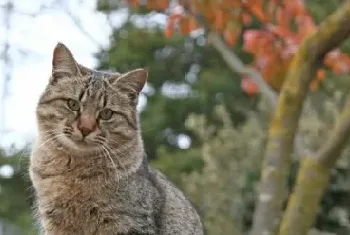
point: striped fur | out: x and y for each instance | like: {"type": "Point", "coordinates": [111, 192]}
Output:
{"type": "Point", "coordinates": [100, 184]}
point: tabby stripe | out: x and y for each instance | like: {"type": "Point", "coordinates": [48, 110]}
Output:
{"type": "Point", "coordinates": [132, 124]}
{"type": "Point", "coordinates": [122, 134]}
{"type": "Point", "coordinates": [47, 101]}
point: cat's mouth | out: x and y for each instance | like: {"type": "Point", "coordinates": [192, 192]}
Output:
{"type": "Point", "coordinates": [84, 142]}
{"type": "Point", "coordinates": [80, 147]}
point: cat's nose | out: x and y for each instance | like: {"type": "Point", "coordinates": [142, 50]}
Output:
{"type": "Point", "coordinates": [86, 124]}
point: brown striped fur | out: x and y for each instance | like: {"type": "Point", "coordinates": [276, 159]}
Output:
{"type": "Point", "coordinates": [100, 184]}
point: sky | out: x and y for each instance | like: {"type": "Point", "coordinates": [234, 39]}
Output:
{"type": "Point", "coordinates": [32, 40]}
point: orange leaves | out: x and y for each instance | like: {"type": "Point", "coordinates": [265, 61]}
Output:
{"type": "Point", "coordinates": [246, 19]}
{"type": "Point", "coordinates": [249, 86]}
{"type": "Point", "coordinates": [315, 84]}
{"type": "Point", "coordinates": [283, 25]}
{"type": "Point", "coordinates": [184, 23]}
{"type": "Point", "coordinates": [295, 7]}
{"type": "Point", "coordinates": [230, 37]}
{"type": "Point", "coordinates": [134, 3]}
{"type": "Point", "coordinates": [169, 29]}
{"type": "Point", "coordinates": [231, 33]}
{"type": "Point", "coordinates": [157, 4]}
{"type": "Point", "coordinates": [337, 61]}
{"type": "Point", "coordinates": [256, 41]}
{"type": "Point", "coordinates": [306, 25]}
{"type": "Point", "coordinates": [256, 8]}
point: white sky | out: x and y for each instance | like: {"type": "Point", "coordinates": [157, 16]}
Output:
{"type": "Point", "coordinates": [38, 35]}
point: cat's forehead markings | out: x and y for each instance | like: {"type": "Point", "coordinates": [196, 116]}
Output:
{"type": "Point", "coordinates": [98, 75]}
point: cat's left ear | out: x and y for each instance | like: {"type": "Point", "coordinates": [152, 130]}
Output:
{"type": "Point", "coordinates": [63, 62]}
{"type": "Point", "coordinates": [131, 82]}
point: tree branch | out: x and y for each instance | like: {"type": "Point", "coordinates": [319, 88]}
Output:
{"type": "Point", "coordinates": [331, 150]}
{"type": "Point", "coordinates": [235, 64]}
{"type": "Point", "coordinates": [79, 25]}
{"type": "Point", "coordinates": [284, 124]}
{"type": "Point", "coordinates": [313, 178]}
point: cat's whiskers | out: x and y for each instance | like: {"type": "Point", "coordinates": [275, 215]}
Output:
{"type": "Point", "coordinates": [26, 151]}
{"type": "Point", "coordinates": [116, 157]}
{"type": "Point", "coordinates": [109, 157]}
{"type": "Point", "coordinates": [120, 151]}
{"type": "Point", "coordinates": [115, 170]}
{"type": "Point", "coordinates": [49, 141]}
{"type": "Point", "coordinates": [116, 154]}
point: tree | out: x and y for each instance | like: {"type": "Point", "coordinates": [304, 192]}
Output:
{"type": "Point", "coordinates": [288, 61]}
{"type": "Point", "coordinates": [170, 96]}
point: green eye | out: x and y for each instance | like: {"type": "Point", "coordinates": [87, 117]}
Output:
{"type": "Point", "coordinates": [106, 114]}
{"type": "Point", "coordinates": [73, 105]}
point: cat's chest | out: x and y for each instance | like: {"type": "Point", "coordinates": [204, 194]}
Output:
{"type": "Point", "coordinates": [100, 206]}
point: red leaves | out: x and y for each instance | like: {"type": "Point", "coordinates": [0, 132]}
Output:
{"type": "Point", "coordinates": [158, 5]}
{"type": "Point", "coordinates": [185, 24]}
{"type": "Point", "coordinates": [134, 3]}
{"type": "Point", "coordinates": [295, 7]}
{"type": "Point", "coordinates": [169, 28]}
{"type": "Point", "coordinates": [255, 41]}
{"type": "Point", "coordinates": [231, 33]}
{"type": "Point", "coordinates": [219, 22]}
{"type": "Point", "coordinates": [249, 86]}
{"type": "Point", "coordinates": [284, 25]}
{"type": "Point", "coordinates": [339, 62]}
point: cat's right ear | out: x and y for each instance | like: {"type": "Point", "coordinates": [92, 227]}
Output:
{"type": "Point", "coordinates": [63, 63]}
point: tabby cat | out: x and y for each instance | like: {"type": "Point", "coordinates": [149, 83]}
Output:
{"type": "Point", "coordinates": [88, 166]}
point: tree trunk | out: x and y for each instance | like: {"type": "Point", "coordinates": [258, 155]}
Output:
{"type": "Point", "coordinates": [284, 124]}
{"type": "Point", "coordinates": [313, 178]}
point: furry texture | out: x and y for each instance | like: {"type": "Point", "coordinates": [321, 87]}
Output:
{"type": "Point", "coordinates": [88, 167]}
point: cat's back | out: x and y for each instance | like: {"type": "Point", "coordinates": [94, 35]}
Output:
{"type": "Point", "coordinates": [179, 216]}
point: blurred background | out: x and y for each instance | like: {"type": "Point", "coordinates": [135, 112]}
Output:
{"type": "Point", "coordinates": [201, 125]}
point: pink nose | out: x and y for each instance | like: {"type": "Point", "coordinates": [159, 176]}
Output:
{"type": "Point", "coordinates": [86, 124]}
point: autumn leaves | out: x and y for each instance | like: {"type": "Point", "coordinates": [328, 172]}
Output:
{"type": "Point", "coordinates": [270, 30]}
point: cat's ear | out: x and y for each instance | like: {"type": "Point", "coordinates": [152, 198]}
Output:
{"type": "Point", "coordinates": [63, 62]}
{"type": "Point", "coordinates": [131, 82]}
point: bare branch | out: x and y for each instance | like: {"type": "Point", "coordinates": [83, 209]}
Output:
{"type": "Point", "coordinates": [79, 25]}
{"type": "Point", "coordinates": [235, 64]}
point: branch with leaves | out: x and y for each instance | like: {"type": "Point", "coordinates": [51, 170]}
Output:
{"type": "Point", "coordinates": [330, 34]}
{"type": "Point", "coordinates": [286, 62]}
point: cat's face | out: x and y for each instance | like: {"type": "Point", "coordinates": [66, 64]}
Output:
{"type": "Point", "coordinates": [87, 111]}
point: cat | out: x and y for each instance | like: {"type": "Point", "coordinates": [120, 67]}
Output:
{"type": "Point", "coordinates": [88, 165]}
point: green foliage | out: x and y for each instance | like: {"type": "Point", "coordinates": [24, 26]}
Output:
{"type": "Point", "coordinates": [220, 171]}
{"type": "Point", "coordinates": [225, 188]}
{"type": "Point", "coordinates": [185, 77]}
{"type": "Point", "coordinates": [15, 195]}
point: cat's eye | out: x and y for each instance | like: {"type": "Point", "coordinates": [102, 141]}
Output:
{"type": "Point", "coordinates": [73, 105]}
{"type": "Point", "coordinates": [106, 114]}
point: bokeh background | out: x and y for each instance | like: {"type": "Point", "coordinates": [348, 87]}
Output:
{"type": "Point", "coordinates": [199, 126]}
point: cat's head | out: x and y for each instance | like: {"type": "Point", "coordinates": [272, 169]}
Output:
{"type": "Point", "coordinates": [86, 111]}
